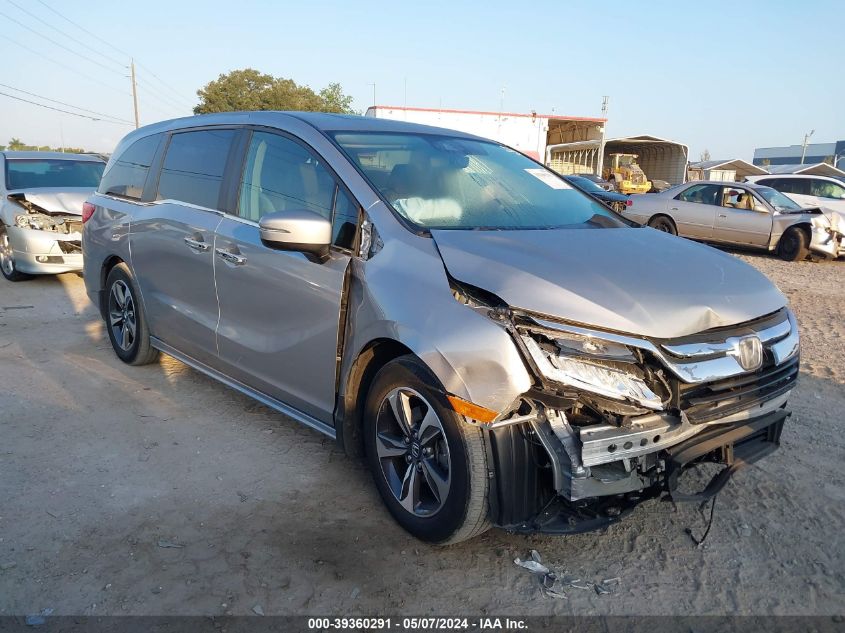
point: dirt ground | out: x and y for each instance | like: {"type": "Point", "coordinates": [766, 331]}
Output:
{"type": "Point", "coordinates": [155, 490]}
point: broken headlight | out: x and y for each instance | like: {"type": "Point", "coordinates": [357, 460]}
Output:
{"type": "Point", "coordinates": [38, 222]}
{"type": "Point", "coordinates": [600, 367]}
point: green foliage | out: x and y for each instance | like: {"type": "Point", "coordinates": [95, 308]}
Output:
{"type": "Point", "coordinates": [17, 145]}
{"type": "Point", "coordinates": [249, 89]}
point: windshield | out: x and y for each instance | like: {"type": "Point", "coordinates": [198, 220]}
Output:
{"type": "Point", "coordinates": [779, 201]}
{"type": "Point", "coordinates": [442, 182]}
{"type": "Point", "coordinates": [39, 173]}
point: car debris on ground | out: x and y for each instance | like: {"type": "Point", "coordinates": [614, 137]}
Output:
{"type": "Point", "coordinates": [554, 584]}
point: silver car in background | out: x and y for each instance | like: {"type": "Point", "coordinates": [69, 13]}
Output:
{"type": "Point", "coordinates": [41, 197]}
{"type": "Point", "coordinates": [742, 214]}
{"type": "Point", "coordinates": [496, 344]}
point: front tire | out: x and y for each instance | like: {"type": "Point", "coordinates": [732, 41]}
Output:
{"type": "Point", "coordinates": [7, 258]}
{"type": "Point", "coordinates": [663, 223]}
{"type": "Point", "coordinates": [793, 245]}
{"type": "Point", "coordinates": [428, 463]}
{"type": "Point", "coordinates": [125, 319]}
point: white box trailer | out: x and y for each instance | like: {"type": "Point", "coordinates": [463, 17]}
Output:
{"type": "Point", "coordinates": [530, 133]}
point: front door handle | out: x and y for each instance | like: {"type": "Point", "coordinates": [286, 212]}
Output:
{"type": "Point", "coordinates": [196, 244]}
{"type": "Point", "coordinates": [722, 215]}
{"type": "Point", "coordinates": [674, 209]}
{"type": "Point", "coordinates": [229, 256]}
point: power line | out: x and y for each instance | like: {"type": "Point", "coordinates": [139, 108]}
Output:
{"type": "Point", "coordinates": [70, 50]}
{"type": "Point", "coordinates": [58, 30]}
{"type": "Point", "coordinates": [79, 26]}
{"type": "Point", "coordinates": [165, 99]}
{"type": "Point", "coordinates": [41, 105]}
{"type": "Point", "coordinates": [111, 46]}
{"type": "Point", "coordinates": [69, 105]}
{"type": "Point", "coordinates": [161, 81]}
{"type": "Point", "coordinates": [65, 66]}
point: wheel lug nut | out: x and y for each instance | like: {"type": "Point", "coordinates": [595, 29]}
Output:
{"type": "Point", "coordinates": [408, 458]}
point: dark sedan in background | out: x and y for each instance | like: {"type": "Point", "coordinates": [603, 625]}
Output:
{"type": "Point", "coordinates": [615, 201]}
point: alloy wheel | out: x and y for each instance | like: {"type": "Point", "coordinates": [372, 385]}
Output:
{"type": "Point", "coordinates": [122, 318]}
{"type": "Point", "coordinates": [7, 259]}
{"type": "Point", "coordinates": [413, 452]}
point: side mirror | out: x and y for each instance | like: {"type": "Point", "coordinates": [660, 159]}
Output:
{"type": "Point", "coordinates": [296, 230]}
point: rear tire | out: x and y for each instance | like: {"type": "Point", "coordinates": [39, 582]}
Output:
{"type": "Point", "coordinates": [432, 473]}
{"type": "Point", "coordinates": [793, 245]}
{"type": "Point", "coordinates": [7, 258]}
{"type": "Point", "coordinates": [125, 319]}
{"type": "Point", "coordinates": [663, 223]}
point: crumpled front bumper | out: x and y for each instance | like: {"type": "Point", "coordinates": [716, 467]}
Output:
{"type": "Point", "coordinates": [45, 252]}
{"type": "Point", "coordinates": [606, 495]}
{"type": "Point", "coordinates": [827, 240]}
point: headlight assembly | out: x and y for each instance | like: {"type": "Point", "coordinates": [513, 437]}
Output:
{"type": "Point", "coordinates": [38, 222]}
{"type": "Point", "coordinates": [577, 362]}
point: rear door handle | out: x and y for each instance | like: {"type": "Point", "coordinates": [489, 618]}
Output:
{"type": "Point", "coordinates": [674, 209]}
{"type": "Point", "coordinates": [722, 215]}
{"type": "Point", "coordinates": [196, 244]}
{"type": "Point", "coordinates": [229, 256]}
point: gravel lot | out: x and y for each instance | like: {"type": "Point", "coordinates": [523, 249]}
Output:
{"type": "Point", "coordinates": [155, 490]}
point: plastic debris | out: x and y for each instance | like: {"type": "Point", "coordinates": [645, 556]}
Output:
{"type": "Point", "coordinates": [535, 556]}
{"type": "Point", "coordinates": [169, 544]}
{"type": "Point", "coordinates": [601, 589]}
{"type": "Point", "coordinates": [257, 608]}
{"type": "Point", "coordinates": [532, 565]}
{"type": "Point", "coordinates": [554, 593]}
{"type": "Point", "coordinates": [38, 619]}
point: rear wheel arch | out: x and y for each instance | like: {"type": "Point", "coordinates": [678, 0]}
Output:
{"type": "Point", "coordinates": [109, 263]}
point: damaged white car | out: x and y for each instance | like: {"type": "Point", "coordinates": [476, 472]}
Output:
{"type": "Point", "coordinates": [742, 214]}
{"type": "Point", "coordinates": [501, 348]}
{"type": "Point", "coordinates": [41, 211]}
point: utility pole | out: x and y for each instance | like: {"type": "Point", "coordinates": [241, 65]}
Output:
{"type": "Point", "coordinates": [804, 145]}
{"type": "Point", "coordinates": [134, 93]}
{"type": "Point", "coordinates": [605, 105]}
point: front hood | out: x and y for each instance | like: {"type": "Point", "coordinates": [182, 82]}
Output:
{"type": "Point", "coordinates": [55, 201]}
{"type": "Point", "coordinates": [633, 280]}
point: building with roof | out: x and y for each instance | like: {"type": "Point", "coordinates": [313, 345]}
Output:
{"type": "Point", "coordinates": [831, 153]}
{"type": "Point", "coordinates": [814, 169]}
{"type": "Point", "coordinates": [530, 133]}
{"type": "Point", "coordinates": [726, 170]}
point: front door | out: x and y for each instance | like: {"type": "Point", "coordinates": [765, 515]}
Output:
{"type": "Point", "coordinates": [280, 310]}
{"type": "Point", "coordinates": [172, 243]}
{"type": "Point", "coordinates": [742, 218]}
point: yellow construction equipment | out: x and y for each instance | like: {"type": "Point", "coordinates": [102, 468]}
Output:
{"type": "Point", "coordinates": [624, 172]}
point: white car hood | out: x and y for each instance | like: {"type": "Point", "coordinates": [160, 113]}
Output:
{"type": "Point", "coordinates": [632, 280]}
{"type": "Point", "coordinates": [56, 201]}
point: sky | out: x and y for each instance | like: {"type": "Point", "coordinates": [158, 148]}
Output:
{"type": "Point", "coordinates": [719, 76]}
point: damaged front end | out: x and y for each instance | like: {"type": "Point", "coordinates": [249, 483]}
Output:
{"type": "Point", "coordinates": [827, 234]}
{"type": "Point", "coordinates": [613, 420]}
{"type": "Point", "coordinates": [38, 218]}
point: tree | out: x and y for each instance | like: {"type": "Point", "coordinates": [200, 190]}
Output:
{"type": "Point", "coordinates": [249, 89]}
{"type": "Point", "coordinates": [705, 155]}
{"type": "Point", "coordinates": [16, 145]}
{"type": "Point", "coordinates": [335, 101]}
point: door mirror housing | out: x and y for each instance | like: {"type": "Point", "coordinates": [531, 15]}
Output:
{"type": "Point", "coordinates": [296, 230]}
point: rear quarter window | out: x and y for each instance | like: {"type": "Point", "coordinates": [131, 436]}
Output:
{"type": "Point", "coordinates": [127, 174]}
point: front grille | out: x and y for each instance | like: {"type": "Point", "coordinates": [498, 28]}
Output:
{"type": "Point", "coordinates": [70, 247]}
{"type": "Point", "coordinates": [721, 398]}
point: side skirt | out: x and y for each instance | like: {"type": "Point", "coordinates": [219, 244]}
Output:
{"type": "Point", "coordinates": [264, 399]}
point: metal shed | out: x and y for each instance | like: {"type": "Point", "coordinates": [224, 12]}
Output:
{"type": "Point", "coordinates": [735, 169]}
{"type": "Point", "coordinates": [660, 158]}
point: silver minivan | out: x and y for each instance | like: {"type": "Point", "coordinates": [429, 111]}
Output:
{"type": "Point", "coordinates": [500, 348]}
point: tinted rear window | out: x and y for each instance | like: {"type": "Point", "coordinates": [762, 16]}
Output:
{"type": "Point", "coordinates": [194, 165]}
{"type": "Point", "coordinates": [127, 174]}
{"type": "Point", "coordinates": [37, 173]}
